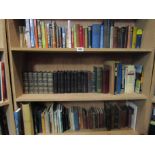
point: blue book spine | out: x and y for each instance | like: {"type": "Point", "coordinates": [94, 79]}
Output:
{"type": "Point", "coordinates": [138, 41]}
{"type": "Point", "coordinates": [102, 37]}
{"type": "Point", "coordinates": [76, 119]}
{"type": "Point", "coordinates": [32, 38]}
{"type": "Point", "coordinates": [16, 117]}
{"type": "Point", "coordinates": [119, 78]}
{"type": "Point", "coordinates": [96, 35]}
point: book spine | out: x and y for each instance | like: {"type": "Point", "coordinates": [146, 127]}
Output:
{"type": "Point", "coordinates": [36, 33]}
{"type": "Point", "coordinates": [43, 34]}
{"type": "Point", "coordinates": [60, 37]}
{"type": "Point", "coordinates": [48, 43]}
{"type": "Point", "coordinates": [95, 36]}
{"type": "Point", "coordinates": [119, 78]}
{"type": "Point", "coordinates": [57, 36]}
{"type": "Point", "coordinates": [53, 34]}
{"type": "Point", "coordinates": [50, 82]}
{"type": "Point", "coordinates": [129, 37]}
{"type": "Point", "coordinates": [138, 38]}
{"type": "Point", "coordinates": [86, 37]}
{"type": "Point", "coordinates": [25, 82]}
{"type": "Point", "coordinates": [39, 34]}
{"type": "Point", "coordinates": [102, 36]}
{"type": "Point", "coordinates": [27, 33]}
{"type": "Point", "coordinates": [30, 79]}
{"type": "Point", "coordinates": [45, 83]}
{"type": "Point", "coordinates": [72, 37]}
{"type": "Point", "coordinates": [63, 37]}
{"type": "Point", "coordinates": [69, 34]}
{"type": "Point", "coordinates": [75, 36]}
{"type": "Point", "coordinates": [40, 82]}
{"type": "Point", "coordinates": [35, 81]}
{"type": "Point", "coordinates": [32, 33]}
{"type": "Point", "coordinates": [89, 36]}
{"type": "Point", "coordinates": [134, 37]}
{"type": "Point", "coordinates": [111, 36]}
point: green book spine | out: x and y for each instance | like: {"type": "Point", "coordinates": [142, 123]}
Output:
{"type": "Point", "coordinates": [43, 34]}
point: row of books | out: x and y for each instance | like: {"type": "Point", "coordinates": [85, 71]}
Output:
{"type": "Point", "coordinates": [3, 91]}
{"type": "Point", "coordinates": [54, 118]}
{"type": "Point", "coordinates": [47, 34]}
{"type": "Point", "coordinates": [128, 78]}
{"type": "Point", "coordinates": [67, 81]}
{"type": "Point", "coordinates": [3, 122]}
{"type": "Point", "coordinates": [112, 77]}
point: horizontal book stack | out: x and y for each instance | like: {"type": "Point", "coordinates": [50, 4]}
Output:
{"type": "Point", "coordinates": [128, 78]}
{"type": "Point", "coordinates": [53, 118]}
{"type": "Point", "coordinates": [47, 34]}
{"type": "Point", "coordinates": [3, 122]}
{"type": "Point", "coordinates": [67, 81]}
{"type": "Point", "coordinates": [3, 91]}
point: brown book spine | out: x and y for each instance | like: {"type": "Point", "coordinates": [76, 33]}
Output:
{"type": "Point", "coordinates": [53, 34]}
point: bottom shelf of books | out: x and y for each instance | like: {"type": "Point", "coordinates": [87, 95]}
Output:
{"type": "Point", "coordinates": [86, 118]}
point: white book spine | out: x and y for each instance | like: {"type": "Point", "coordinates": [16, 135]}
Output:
{"type": "Point", "coordinates": [27, 33]}
{"type": "Point", "coordinates": [69, 34]}
{"type": "Point", "coordinates": [111, 36]}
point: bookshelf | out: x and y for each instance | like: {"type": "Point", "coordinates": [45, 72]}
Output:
{"type": "Point", "coordinates": [43, 59]}
{"type": "Point", "coordinates": [7, 104]}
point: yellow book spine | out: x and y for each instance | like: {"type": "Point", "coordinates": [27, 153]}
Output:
{"type": "Point", "coordinates": [134, 37]}
{"type": "Point", "coordinates": [86, 37]}
{"type": "Point", "coordinates": [43, 122]}
{"type": "Point", "coordinates": [27, 119]}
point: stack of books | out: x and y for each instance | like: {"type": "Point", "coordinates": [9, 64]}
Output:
{"type": "Point", "coordinates": [112, 77]}
{"type": "Point", "coordinates": [67, 81]}
{"type": "Point", "coordinates": [47, 34]}
{"type": "Point", "coordinates": [53, 118]}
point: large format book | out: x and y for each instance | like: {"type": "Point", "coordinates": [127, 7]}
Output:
{"type": "Point", "coordinates": [129, 78]}
{"type": "Point", "coordinates": [27, 119]}
{"type": "Point", "coordinates": [96, 28]}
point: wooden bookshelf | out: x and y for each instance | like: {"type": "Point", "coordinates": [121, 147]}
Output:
{"type": "Point", "coordinates": [79, 97]}
{"type": "Point", "coordinates": [7, 104]}
{"type": "Point", "coordinates": [43, 59]}
{"type": "Point", "coordinates": [100, 132]}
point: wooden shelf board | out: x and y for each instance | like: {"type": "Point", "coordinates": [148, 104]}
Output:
{"type": "Point", "coordinates": [79, 97]}
{"type": "Point", "coordinates": [86, 50]}
{"type": "Point", "coordinates": [99, 132]}
{"type": "Point", "coordinates": [4, 103]}
{"type": "Point", "coordinates": [153, 99]}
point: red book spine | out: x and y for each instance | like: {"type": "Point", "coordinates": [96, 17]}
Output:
{"type": "Point", "coordinates": [36, 33]}
{"type": "Point", "coordinates": [72, 38]}
{"type": "Point", "coordinates": [4, 93]}
{"type": "Point", "coordinates": [80, 36]}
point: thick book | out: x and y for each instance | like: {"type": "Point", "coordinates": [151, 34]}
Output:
{"type": "Point", "coordinates": [96, 28]}
{"type": "Point", "coordinates": [27, 119]}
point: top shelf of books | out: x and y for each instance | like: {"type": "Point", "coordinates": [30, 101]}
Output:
{"type": "Point", "coordinates": [65, 34]}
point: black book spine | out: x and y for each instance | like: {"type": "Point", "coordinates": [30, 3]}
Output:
{"type": "Point", "coordinates": [65, 82]}
{"type": "Point", "coordinates": [71, 81]}
{"type": "Point", "coordinates": [55, 82]}
{"type": "Point", "coordinates": [75, 82]}
{"type": "Point", "coordinates": [25, 83]}
{"type": "Point", "coordinates": [58, 81]}
{"type": "Point", "coordinates": [69, 87]}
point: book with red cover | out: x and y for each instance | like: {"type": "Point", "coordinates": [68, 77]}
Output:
{"type": "Point", "coordinates": [81, 36]}
{"type": "Point", "coordinates": [106, 76]}
{"type": "Point", "coordinates": [36, 33]}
